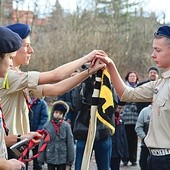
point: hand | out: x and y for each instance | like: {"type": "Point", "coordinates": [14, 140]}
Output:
{"type": "Point", "coordinates": [105, 59]}
{"type": "Point", "coordinates": [35, 136]}
{"type": "Point", "coordinates": [98, 65]}
{"type": "Point", "coordinates": [90, 56]}
{"type": "Point", "coordinates": [15, 164]}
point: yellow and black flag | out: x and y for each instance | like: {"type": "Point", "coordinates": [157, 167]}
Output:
{"type": "Point", "coordinates": [106, 102]}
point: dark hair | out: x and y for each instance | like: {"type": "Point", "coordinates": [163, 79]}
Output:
{"type": "Point", "coordinates": [2, 56]}
{"type": "Point", "coordinates": [127, 76]}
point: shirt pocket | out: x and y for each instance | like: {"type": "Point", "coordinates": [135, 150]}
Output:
{"type": "Point", "coordinates": [161, 102]}
{"type": "Point", "coordinates": [163, 106]}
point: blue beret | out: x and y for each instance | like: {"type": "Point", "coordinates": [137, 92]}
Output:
{"type": "Point", "coordinates": [9, 41]}
{"type": "Point", "coordinates": [163, 31]}
{"type": "Point", "coordinates": [22, 30]}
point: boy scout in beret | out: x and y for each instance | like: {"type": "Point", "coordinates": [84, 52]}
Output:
{"type": "Point", "coordinates": [10, 42]}
{"type": "Point", "coordinates": [158, 136]}
{"type": "Point", "coordinates": [13, 100]}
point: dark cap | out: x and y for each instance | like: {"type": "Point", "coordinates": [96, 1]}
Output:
{"type": "Point", "coordinates": [153, 68]}
{"type": "Point", "coordinates": [9, 41]}
{"type": "Point", "coordinates": [163, 31]}
{"type": "Point", "coordinates": [22, 30]}
{"type": "Point", "coordinates": [60, 106]}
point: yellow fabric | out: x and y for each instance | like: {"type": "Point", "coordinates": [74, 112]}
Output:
{"type": "Point", "coordinates": [106, 101]}
{"type": "Point", "coordinates": [5, 84]}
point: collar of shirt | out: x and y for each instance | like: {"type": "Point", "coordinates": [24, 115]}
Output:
{"type": "Point", "coordinates": [166, 74]}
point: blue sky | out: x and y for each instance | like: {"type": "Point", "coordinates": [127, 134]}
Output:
{"type": "Point", "coordinates": [158, 6]}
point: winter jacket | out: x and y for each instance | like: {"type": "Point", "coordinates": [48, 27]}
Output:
{"type": "Point", "coordinates": [119, 141]}
{"type": "Point", "coordinates": [60, 149]}
{"type": "Point", "coordinates": [38, 115]}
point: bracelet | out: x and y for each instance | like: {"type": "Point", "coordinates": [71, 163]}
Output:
{"type": "Point", "coordinates": [18, 138]}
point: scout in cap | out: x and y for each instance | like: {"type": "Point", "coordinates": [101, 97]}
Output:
{"type": "Point", "coordinates": [10, 42]}
{"type": "Point", "coordinates": [157, 139]}
{"type": "Point", "coordinates": [24, 53]}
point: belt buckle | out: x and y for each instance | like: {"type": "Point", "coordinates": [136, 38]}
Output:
{"type": "Point", "coordinates": [159, 152]}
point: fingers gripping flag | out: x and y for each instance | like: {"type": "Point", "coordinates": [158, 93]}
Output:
{"type": "Point", "coordinates": [106, 102]}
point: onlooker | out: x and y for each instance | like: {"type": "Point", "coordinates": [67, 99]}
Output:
{"type": "Point", "coordinates": [130, 116]}
{"type": "Point", "coordinates": [13, 99]}
{"type": "Point", "coordinates": [38, 116]}
{"type": "Point", "coordinates": [74, 99]}
{"type": "Point", "coordinates": [10, 42]}
{"type": "Point", "coordinates": [142, 126]}
{"type": "Point", "coordinates": [157, 138]}
{"type": "Point", "coordinates": [119, 140]}
{"type": "Point", "coordinates": [103, 139]}
{"type": "Point", "coordinates": [153, 74]}
{"type": "Point", "coordinates": [60, 150]}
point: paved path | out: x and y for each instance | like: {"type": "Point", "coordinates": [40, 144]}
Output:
{"type": "Point", "coordinates": [93, 163]}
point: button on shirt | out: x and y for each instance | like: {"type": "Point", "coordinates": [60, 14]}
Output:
{"type": "Point", "coordinates": [159, 128]}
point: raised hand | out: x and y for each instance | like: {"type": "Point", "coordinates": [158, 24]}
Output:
{"type": "Point", "coordinates": [95, 53]}
{"type": "Point", "coordinates": [97, 65]}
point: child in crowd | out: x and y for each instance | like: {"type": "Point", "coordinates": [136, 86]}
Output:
{"type": "Point", "coordinates": [60, 150]}
{"type": "Point", "coordinates": [119, 140]}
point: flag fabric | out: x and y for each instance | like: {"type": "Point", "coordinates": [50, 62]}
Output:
{"type": "Point", "coordinates": [105, 109]}
{"type": "Point", "coordinates": [92, 124]}
{"type": "Point", "coordinates": [102, 107]}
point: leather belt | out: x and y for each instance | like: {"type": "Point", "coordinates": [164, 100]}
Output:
{"type": "Point", "coordinates": [159, 152]}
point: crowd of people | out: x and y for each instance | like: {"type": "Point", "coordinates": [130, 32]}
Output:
{"type": "Point", "coordinates": [140, 108]}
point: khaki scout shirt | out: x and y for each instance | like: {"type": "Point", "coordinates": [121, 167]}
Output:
{"type": "Point", "coordinates": [159, 128]}
{"type": "Point", "coordinates": [13, 102]}
{"type": "Point", "coordinates": [3, 150]}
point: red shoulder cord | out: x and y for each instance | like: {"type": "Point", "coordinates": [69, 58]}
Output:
{"type": "Point", "coordinates": [31, 144]}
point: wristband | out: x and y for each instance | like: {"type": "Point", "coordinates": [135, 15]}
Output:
{"type": "Point", "coordinates": [18, 138]}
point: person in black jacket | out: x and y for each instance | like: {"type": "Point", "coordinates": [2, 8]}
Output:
{"type": "Point", "coordinates": [119, 140]}
{"type": "Point", "coordinates": [103, 139]}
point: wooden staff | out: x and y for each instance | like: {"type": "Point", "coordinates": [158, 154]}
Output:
{"type": "Point", "coordinates": [92, 123]}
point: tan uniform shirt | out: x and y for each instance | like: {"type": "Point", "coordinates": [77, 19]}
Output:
{"type": "Point", "coordinates": [13, 102]}
{"type": "Point", "coordinates": [159, 129]}
{"type": "Point", "coordinates": [3, 151]}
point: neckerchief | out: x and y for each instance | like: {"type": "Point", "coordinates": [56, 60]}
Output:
{"type": "Point", "coordinates": [31, 145]}
{"type": "Point", "coordinates": [4, 124]}
{"type": "Point", "coordinates": [57, 124]}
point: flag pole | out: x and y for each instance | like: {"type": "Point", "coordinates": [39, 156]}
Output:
{"type": "Point", "coordinates": [92, 124]}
